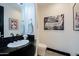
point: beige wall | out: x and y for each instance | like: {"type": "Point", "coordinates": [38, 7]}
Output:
{"type": "Point", "coordinates": [65, 40]}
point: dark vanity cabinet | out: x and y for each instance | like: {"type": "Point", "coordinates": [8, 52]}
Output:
{"type": "Point", "coordinates": [1, 20]}
{"type": "Point", "coordinates": [25, 50]}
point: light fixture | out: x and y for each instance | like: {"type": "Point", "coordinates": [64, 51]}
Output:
{"type": "Point", "coordinates": [20, 4]}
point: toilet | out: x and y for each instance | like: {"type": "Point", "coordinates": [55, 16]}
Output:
{"type": "Point", "coordinates": [41, 49]}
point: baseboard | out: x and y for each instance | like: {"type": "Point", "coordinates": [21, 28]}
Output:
{"type": "Point", "coordinates": [60, 52]}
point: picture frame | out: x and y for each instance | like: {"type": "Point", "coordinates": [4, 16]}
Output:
{"type": "Point", "coordinates": [75, 17]}
{"type": "Point", "coordinates": [54, 22]}
{"type": "Point", "coordinates": [13, 24]}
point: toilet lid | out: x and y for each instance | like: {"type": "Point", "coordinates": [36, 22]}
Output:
{"type": "Point", "coordinates": [42, 45]}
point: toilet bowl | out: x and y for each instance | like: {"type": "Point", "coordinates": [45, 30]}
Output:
{"type": "Point", "coordinates": [41, 49]}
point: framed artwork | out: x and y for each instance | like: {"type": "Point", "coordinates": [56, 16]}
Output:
{"type": "Point", "coordinates": [13, 24]}
{"type": "Point", "coordinates": [54, 22]}
{"type": "Point", "coordinates": [76, 17]}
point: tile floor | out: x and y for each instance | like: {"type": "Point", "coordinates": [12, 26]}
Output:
{"type": "Point", "coordinates": [51, 53]}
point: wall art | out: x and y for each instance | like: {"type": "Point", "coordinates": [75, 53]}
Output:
{"type": "Point", "coordinates": [13, 24]}
{"type": "Point", "coordinates": [76, 17]}
{"type": "Point", "coordinates": [54, 22]}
